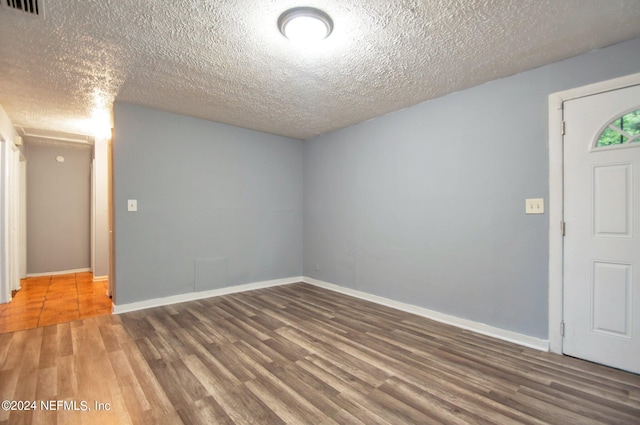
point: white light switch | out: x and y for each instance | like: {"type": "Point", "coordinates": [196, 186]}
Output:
{"type": "Point", "coordinates": [132, 205]}
{"type": "Point", "coordinates": [534, 206]}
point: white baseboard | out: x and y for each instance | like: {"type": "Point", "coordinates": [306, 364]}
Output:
{"type": "Point", "coordinates": [481, 328]}
{"type": "Point", "coordinates": [192, 296]}
{"type": "Point", "coordinates": [100, 278]}
{"type": "Point", "coordinates": [58, 272]}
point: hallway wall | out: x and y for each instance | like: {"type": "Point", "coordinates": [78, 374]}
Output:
{"type": "Point", "coordinates": [58, 213]}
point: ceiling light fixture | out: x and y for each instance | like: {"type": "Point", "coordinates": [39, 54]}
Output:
{"type": "Point", "coordinates": [305, 24]}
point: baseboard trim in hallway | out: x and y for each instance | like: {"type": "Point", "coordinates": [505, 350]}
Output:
{"type": "Point", "coordinates": [58, 273]}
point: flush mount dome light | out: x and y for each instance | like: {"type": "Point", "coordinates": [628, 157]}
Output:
{"type": "Point", "coordinates": [305, 24]}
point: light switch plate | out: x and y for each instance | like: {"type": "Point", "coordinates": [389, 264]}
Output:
{"type": "Point", "coordinates": [132, 205]}
{"type": "Point", "coordinates": [534, 206]}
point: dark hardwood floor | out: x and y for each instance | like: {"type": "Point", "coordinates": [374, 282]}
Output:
{"type": "Point", "coordinates": [301, 355]}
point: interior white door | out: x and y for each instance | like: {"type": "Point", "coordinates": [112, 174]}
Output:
{"type": "Point", "coordinates": [601, 289]}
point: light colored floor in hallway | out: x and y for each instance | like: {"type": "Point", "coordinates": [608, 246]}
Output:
{"type": "Point", "coordinates": [48, 300]}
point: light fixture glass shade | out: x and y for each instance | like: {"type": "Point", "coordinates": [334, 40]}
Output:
{"type": "Point", "coordinates": [305, 24]}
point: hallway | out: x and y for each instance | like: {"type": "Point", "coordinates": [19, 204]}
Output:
{"type": "Point", "coordinates": [48, 300]}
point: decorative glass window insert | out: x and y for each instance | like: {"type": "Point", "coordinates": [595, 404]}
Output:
{"type": "Point", "coordinates": [621, 131]}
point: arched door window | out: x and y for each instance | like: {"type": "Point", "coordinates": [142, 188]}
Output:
{"type": "Point", "coordinates": [621, 132]}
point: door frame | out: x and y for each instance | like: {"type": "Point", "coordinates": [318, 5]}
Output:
{"type": "Point", "coordinates": [556, 195]}
{"type": "Point", "coordinates": [5, 291]}
{"type": "Point", "coordinates": [9, 218]}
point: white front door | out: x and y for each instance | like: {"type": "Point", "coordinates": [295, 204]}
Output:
{"type": "Point", "coordinates": [601, 292]}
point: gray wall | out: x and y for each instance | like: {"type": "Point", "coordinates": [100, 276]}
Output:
{"type": "Point", "coordinates": [58, 208]}
{"type": "Point", "coordinates": [426, 205]}
{"type": "Point", "coordinates": [217, 205]}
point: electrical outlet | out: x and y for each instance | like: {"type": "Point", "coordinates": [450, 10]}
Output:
{"type": "Point", "coordinates": [132, 205]}
{"type": "Point", "coordinates": [534, 206]}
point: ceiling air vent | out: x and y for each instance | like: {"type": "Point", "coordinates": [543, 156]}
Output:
{"type": "Point", "coordinates": [32, 7]}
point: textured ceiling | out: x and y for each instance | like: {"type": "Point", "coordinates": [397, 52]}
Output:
{"type": "Point", "coordinates": [225, 60]}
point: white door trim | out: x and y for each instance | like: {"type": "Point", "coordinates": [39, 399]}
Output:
{"type": "Point", "coordinates": [5, 291]}
{"type": "Point", "coordinates": [23, 217]}
{"type": "Point", "coordinates": [556, 194]}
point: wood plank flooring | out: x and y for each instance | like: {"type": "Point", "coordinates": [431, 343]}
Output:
{"type": "Point", "coordinates": [47, 300]}
{"type": "Point", "coordinates": [298, 354]}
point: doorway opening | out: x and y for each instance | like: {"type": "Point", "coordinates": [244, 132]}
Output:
{"type": "Point", "coordinates": [64, 261]}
